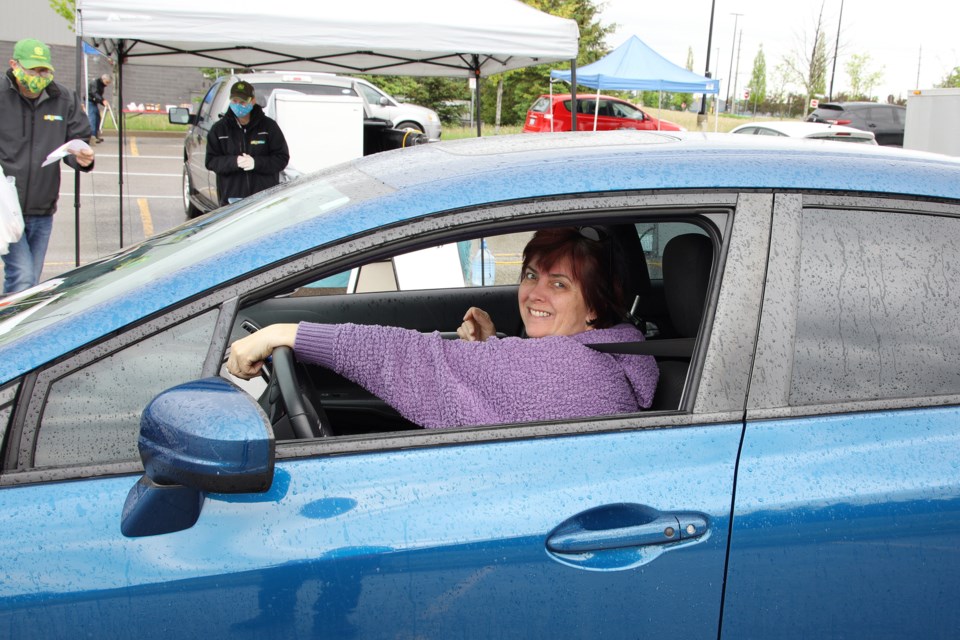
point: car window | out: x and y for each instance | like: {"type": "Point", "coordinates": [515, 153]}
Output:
{"type": "Point", "coordinates": [654, 237]}
{"type": "Point", "coordinates": [763, 131]}
{"type": "Point", "coordinates": [481, 262]}
{"type": "Point", "coordinates": [542, 105]}
{"type": "Point", "coordinates": [92, 415]}
{"type": "Point", "coordinates": [746, 130]}
{"type": "Point", "coordinates": [876, 316]}
{"type": "Point", "coordinates": [371, 95]}
{"type": "Point", "coordinates": [207, 103]}
{"type": "Point", "coordinates": [624, 110]}
{"type": "Point", "coordinates": [265, 89]}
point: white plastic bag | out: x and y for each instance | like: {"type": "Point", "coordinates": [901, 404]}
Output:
{"type": "Point", "coordinates": [11, 218]}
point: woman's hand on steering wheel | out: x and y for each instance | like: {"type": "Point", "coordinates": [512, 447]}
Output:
{"type": "Point", "coordinates": [248, 354]}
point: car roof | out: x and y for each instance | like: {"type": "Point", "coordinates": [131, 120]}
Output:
{"type": "Point", "coordinates": [798, 129]}
{"type": "Point", "coordinates": [412, 183]}
{"type": "Point", "coordinates": [857, 105]}
{"type": "Point", "coordinates": [293, 77]}
{"type": "Point", "coordinates": [582, 96]}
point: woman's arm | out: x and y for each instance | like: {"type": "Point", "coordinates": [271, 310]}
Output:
{"type": "Point", "coordinates": [247, 355]}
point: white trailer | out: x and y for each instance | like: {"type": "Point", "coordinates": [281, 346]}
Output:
{"type": "Point", "coordinates": [933, 121]}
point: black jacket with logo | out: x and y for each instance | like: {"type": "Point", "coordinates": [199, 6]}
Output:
{"type": "Point", "coordinates": [29, 131]}
{"type": "Point", "coordinates": [260, 138]}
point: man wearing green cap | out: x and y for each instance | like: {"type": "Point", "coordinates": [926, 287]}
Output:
{"type": "Point", "coordinates": [245, 148]}
{"type": "Point", "coordinates": [39, 115]}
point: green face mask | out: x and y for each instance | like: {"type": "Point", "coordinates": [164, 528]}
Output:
{"type": "Point", "coordinates": [33, 84]}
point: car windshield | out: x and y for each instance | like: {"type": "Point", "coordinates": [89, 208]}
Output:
{"type": "Point", "coordinates": [189, 244]}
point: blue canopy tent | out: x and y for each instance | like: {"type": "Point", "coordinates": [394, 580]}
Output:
{"type": "Point", "coordinates": [634, 66]}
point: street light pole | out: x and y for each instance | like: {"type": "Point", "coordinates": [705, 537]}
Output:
{"type": "Point", "coordinates": [836, 47]}
{"type": "Point", "coordinates": [702, 116]}
{"type": "Point", "coordinates": [736, 16]}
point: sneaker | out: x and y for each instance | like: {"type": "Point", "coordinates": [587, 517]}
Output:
{"type": "Point", "coordinates": [99, 139]}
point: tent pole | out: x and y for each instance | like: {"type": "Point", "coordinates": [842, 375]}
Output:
{"type": "Point", "coordinates": [76, 172]}
{"type": "Point", "coordinates": [476, 75]}
{"type": "Point", "coordinates": [120, 132]}
{"type": "Point", "coordinates": [596, 107]}
{"type": "Point", "coordinates": [573, 91]}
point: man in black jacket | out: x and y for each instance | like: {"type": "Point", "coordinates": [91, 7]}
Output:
{"type": "Point", "coordinates": [96, 99]}
{"type": "Point", "coordinates": [39, 115]}
{"type": "Point", "coordinates": [245, 148]}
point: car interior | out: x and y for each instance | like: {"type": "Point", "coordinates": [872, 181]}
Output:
{"type": "Point", "coordinates": [670, 263]}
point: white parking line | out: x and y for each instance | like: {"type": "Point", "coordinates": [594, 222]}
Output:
{"type": "Point", "coordinates": [114, 195]}
{"type": "Point", "coordinates": [131, 173]}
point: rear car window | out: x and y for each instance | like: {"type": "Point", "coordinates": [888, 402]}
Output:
{"type": "Point", "coordinates": [876, 317]}
{"type": "Point", "coordinates": [542, 105]}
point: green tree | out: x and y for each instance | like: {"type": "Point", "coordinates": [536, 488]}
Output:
{"type": "Point", "coordinates": [862, 81]}
{"type": "Point", "coordinates": [678, 100]}
{"type": "Point", "coordinates": [951, 80]}
{"type": "Point", "coordinates": [522, 86]}
{"type": "Point", "coordinates": [758, 79]}
{"type": "Point", "coordinates": [808, 66]}
{"type": "Point", "coordinates": [67, 9]}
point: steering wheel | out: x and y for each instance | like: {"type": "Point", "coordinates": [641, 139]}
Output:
{"type": "Point", "coordinates": [307, 418]}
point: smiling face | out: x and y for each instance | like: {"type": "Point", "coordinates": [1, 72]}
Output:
{"type": "Point", "coordinates": [551, 301]}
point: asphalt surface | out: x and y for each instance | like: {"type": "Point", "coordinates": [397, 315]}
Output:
{"type": "Point", "coordinates": [152, 200]}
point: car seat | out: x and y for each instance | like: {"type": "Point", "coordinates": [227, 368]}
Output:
{"type": "Point", "coordinates": [687, 263]}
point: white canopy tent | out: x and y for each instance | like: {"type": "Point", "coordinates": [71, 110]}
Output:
{"type": "Point", "coordinates": [417, 37]}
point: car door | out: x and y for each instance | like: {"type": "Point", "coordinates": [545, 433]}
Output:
{"type": "Point", "coordinates": [848, 490]}
{"type": "Point", "coordinates": [607, 527]}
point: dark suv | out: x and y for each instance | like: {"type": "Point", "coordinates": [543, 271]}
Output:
{"type": "Point", "coordinates": [884, 120]}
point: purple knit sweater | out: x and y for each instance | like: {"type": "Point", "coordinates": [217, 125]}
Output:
{"type": "Point", "coordinates": [436, 383]}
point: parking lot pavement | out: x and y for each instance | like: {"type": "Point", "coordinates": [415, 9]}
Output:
{"type": "Point", "coordinates": [152, 200]}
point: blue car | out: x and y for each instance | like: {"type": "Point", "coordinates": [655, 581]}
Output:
{"type": "Point", "coordinates": [798, 474]}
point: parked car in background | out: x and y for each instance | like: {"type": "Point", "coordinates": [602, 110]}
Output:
{"type": "Point", "coordinates": [200, 185]}
{"type": "Point", "coordinates": [814, 130]}
{"type": "Point", "coordinates": [795, 477]}
{"type": "Point", "coordinates": [885, 121]}
{"type": "Point", "coordinates": [552, 113]}
{"type": "Point", "coordinates": [401, 114]}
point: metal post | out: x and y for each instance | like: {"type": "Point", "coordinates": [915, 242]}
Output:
{"type": "Point", "coordinates": [702, 116]}
{"type": "Point", "coordinates": [573, 93]}
{"type": "Point", "coordinates": [836, 48]}
{"type": "Point", "coordinates": [120, 132]}
{"type": "Point", "coordinates": [476, 75]}
{"type": "Point", "coordinates": [733, 45]}
{"type": "Point", "coordinates": [737, 73]}
{"type": "Point", "coordinates": [76, 171]}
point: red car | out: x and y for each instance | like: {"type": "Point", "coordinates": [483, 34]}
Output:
{"type": "Point", "coordinates": [612, 113]}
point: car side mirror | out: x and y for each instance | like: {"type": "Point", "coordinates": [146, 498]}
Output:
{"type": "Point", "coordinates": [384, 101]}
{"type": "Point", "coordinates": [181, 115]}
{"type": "Point", "coordinates": [206, 436]}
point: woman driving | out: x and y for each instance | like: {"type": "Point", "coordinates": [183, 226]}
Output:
{"type": "Point", "coordinates": [570, 296]}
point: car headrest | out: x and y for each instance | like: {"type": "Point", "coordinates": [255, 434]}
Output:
{"type": "Point", "coordinates": [687, 261]}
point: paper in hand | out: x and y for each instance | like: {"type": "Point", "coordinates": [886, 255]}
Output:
{"type": "Point", "coordinates": [64, 149]}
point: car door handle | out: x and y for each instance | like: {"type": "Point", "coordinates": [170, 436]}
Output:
{"type": "Point", "coordinates": [624, 525]}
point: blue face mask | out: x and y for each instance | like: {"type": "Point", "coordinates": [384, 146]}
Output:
{"type": "Point", "coordinates": [241, 110]}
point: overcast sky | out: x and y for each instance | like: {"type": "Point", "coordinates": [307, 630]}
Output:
{"type": "Point", "coordinates": [900, 37]}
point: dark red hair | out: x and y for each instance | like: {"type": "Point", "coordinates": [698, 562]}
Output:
{"type": "Point", "coordinates": [594, 263]}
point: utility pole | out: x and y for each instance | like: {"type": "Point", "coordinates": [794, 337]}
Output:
{"type": "Point", "coordinates": [836, 48]}
{"type": "Point", "coordinates": [737, 73]}
{"type": "Point", "coordinates": [702, 116]}
{"type": "Point", "coordinates": [726, 103]}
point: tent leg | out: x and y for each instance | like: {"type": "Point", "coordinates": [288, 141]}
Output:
{"type": "Point", "coordinates": [76, 172]}
{"type": "Point", "coordinates": [120, 133]}
{"type": "Point", "coordinates": [573, 92]}
{"type": "Point", "coordinates": [476, 75]}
